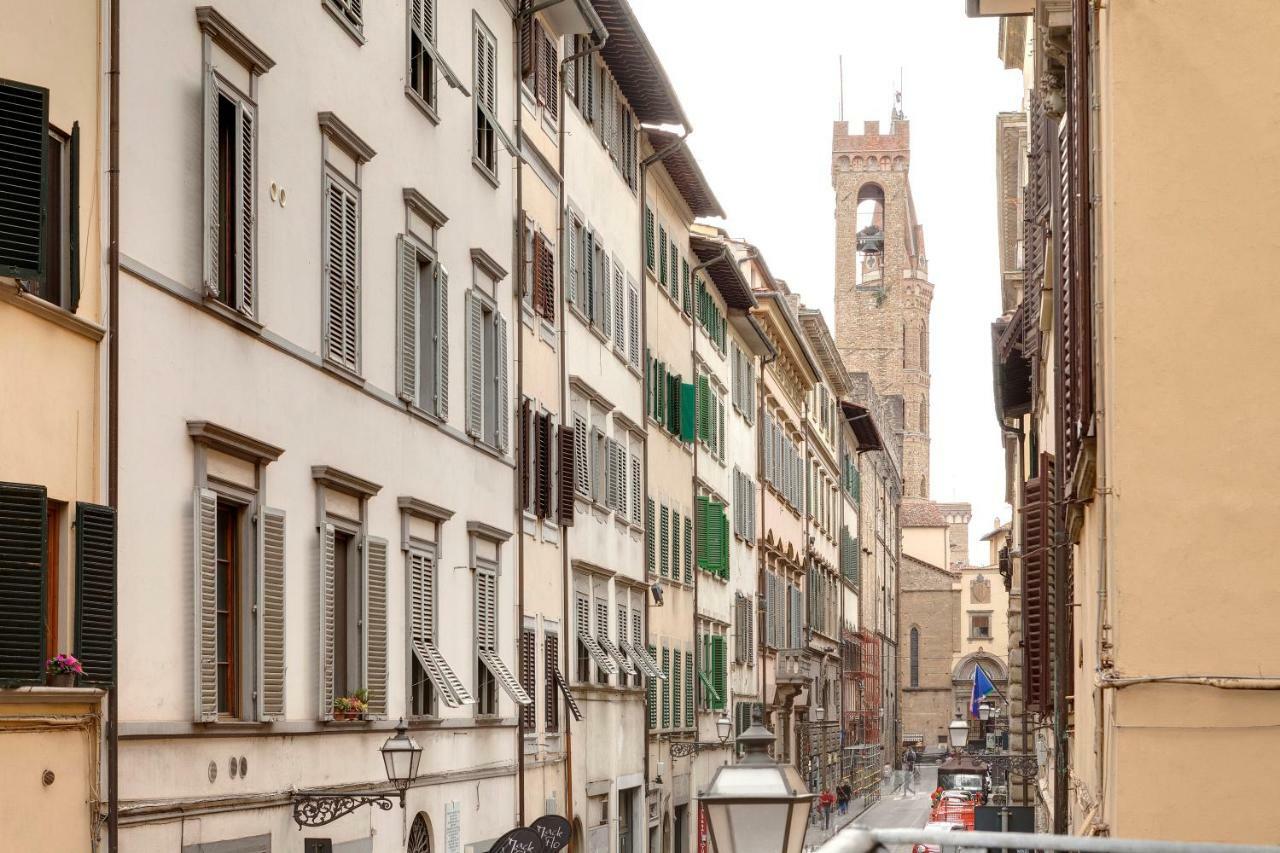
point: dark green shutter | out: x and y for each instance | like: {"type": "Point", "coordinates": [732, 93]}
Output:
{"type": "Point", "coordinates": [688, 407]}
{"type": "Point", "coordinates": [73, 220]}
{"type": "Point", "coordinates": [701, 532]}
{"type": "Point", "coordinates": [96, 592]}
{"type": "Point", "coordinates": [649, 533]}
{"type": "Point", "coordinates": [24, 186]}
{"type": "Point", "coordinates": [725, 535]}
{"type": "Point", "coordinates": [651, 697]}
{"type": "Point", "coordinates": [23, 537]}
{"type": "Point", "coordinates": [718, 674]}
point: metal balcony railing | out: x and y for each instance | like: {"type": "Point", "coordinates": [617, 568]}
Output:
{"type": "Point", "coordinates": [860, 839]}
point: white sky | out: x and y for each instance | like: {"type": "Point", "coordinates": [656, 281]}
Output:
{"type": "Point", "coordinates": [760, 83]}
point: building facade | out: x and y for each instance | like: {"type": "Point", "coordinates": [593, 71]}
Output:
{"type": "Point", "coordinates": [1085, 409]}
{"type": "Point", "coordinates": [58, 526]}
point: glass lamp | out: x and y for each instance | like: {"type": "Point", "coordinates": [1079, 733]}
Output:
{"type": "Point", "coordinates": [958, 731]}
{"type": "Point", "coordinates": [757, 805]}
{"type": "Point", "coordinates": [723, 727]}
{"type": "Point", "coordinates": [400, 755]}
{"type": "Point", "coordinates": [984, 711]}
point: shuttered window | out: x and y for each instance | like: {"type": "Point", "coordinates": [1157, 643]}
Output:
{"type": "Point", "coordinates": [342, 272]}
{"type": "Point", "coordinates": [422, 55]}
{"type": "Point", "coordinates": [744, 630]}
{"type": "Point", "coordinates": [649, 254]}
{"type": "Point", "coordinates": [551, 669]}
{"type": "Point", "coordinates": [713, 672]}
{"type": "Point", "coordinates": [422, 329]}
{"type": "Point", "coordinates": [636, 488]}
{"type": "Point", "coordinates": [23, 574]}
{"type": "Point", "coordinates": [567, 474]}
{"type": "Point", "coordinates": [649, 536]}
{"type": "Point", "coordinates": [375, 624]}
{"type": "Point", "coordinates": [633, 326]}
{"type": "Point", "coordinates": [651, 697]}
{"type": "Point", "coordinates": [620, 330]}
{"type": "Point", "coordinates": [431, 675]}
{"type": "Point", "coordinates": [230, 163]}
{"type": "Point", "coordinates": [491, 671]}
{"type": "Point", "coordinates": [1039, 590]}
{"type": "Point", "coordinates": [351, 11]}
{"type": "Point", "coordinates": [488, 405]}
{"type": "Point", "coordinates": [543, 275]}
{"type": "Point", "coordinates": [484, 91]}
{"type": "Point", "coordinates": [713, 537]}
{"type": "Point", "coordinates": [24, 182]}
{"type": "Point", "coordinates": [666, 687]}
{"type": "Point", "coordinates": [677, 681]}
{"type": "Point", "coordinates": [95, 625]}
{"type": "Point", "coordinates": [529, 677]}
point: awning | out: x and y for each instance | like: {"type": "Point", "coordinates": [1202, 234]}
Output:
{"type": "Point", "coordinates": [503, 676]}
{"type": "Point", "coordinates": [863, 426]}
{"type": "Point", "coordinates": [446, 682]}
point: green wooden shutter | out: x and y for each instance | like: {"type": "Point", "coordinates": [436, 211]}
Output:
{"type": "Point", "coordinates": [719, 675]}
{"type": "Point", "coordinates": [725, 535]}
{"type": "Point", "coordinates": [662, 255]}
{"type": "Point", "coordinates": [688, 409]}
{"type": "Point", "coordinates": [96, 592]}
{"type": "Point", "coordinates": [664, 552]}
{"type": "Point", "coordinates": [649, 535]}
{"type": "Point", "coordinates": [24, 536]}
{"type": "Point", "coordinates": [703, 548]}
{"type": "Point", "coordinates": [676, 693]}
{"type": "Point", "coordinates": [648, 237]}
{"type": "Point", "coordinates": [689, 704]}
{"type": "Point", "coordinates": [666, 687]}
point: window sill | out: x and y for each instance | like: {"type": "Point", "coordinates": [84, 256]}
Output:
{"type": "Point", "coordinates": [423, 106]}
{"type": "Point", "coordinates": [489, 175]}
{"type": "Point", "coordinates": [356, 33]}
{"type": "Point", "coordinates": [346, 374]}
{"type": "Point", "coordinates": [233, 316]}
{"type": "Point", "coordinates": [12, 293]}
{"type": "Point", "coordinates": [44, 695]}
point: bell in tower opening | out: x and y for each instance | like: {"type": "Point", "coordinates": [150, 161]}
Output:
{"type": "Point", "coordinates": [870, 234]}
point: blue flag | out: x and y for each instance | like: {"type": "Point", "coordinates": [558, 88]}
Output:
{"type": "Point", "coordinates": [981, 687]}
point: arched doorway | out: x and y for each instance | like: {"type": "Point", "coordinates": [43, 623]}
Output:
{"type": "Point", "coordinates": [419, 835]}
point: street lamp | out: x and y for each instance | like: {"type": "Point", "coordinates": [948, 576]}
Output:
{"type": "Point", "coordinates": [958, 732]}
{"type": "Point", "coordinates": [757, 805]}
{"type": "Point", "coordinates": [400, 757]}
{"type": "Point", "coordinates": [682, 748]}
{"type": "Point", "coordinates": [984, 711]}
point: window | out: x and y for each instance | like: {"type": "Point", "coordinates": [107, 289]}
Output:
{"type": "Point", "coordinates": [60, 284]}
{"type": "Point", "coordinates": [713, 672]}
{"type": "Point", "coordinates": [484, 90]}
{"type": "Point", "coordinates": [422, 58]}
{"type": "Point", "coordinates": [915, 657]}
{"type": "Point", "coordinates": [341, 271]}
{"type": "Point", "coordinates": [710, 414]}
{"type": "Point", "coordinates": [347, 606]}
{"type": "Point", "coordinates": [487, 411]}
{"type": "Point", "coordinates": [551, 665]}
{"type": "Point", "coordinates": [540, 282]}
{"type": "Point", "coordinates": [713, 537]}
{"type": "Point", "coordinates": [744, 630]}
{"type": "Point", "coordinates": [539, 64]}
{"type": "Point", "coordinates": [633, 326]}
{"type": "Point", "coordinates": [979, 626]}
{"type": "Point", "coordinates": [231, 279]}
{"type": "Point", "coordinates": [744, 507]}
{"type": "Point", "coordinates": [744, 382]}
{"type": "Point", "coordinates": [423, 329]}
{"type": "Point", "coordinates": [591, 601]}
{"type": "Point", "coordinates": [349, 13]}
{"type": "Point", "coordinates": [626, 820]}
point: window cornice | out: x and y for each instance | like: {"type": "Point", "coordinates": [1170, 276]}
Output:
{"type": "Point", "coordinates": [338, 130]}
{"type": "Point", "coordinates": [341, 481]}
{"type": "Point", "coordinates": [234, 443]}
{"type": "Point", "coordinates": [227, 36]}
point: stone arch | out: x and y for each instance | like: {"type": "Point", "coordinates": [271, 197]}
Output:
{"type": "Point", "coordinates": [899, 164]}
{"type": "Point", "coordinates": [842, 161]}
{"type": "Point", "coordinates": [873, 165]}
{"type": "Point", "coordinates": [885, 165]}
{"type": "Point", "coordinates": [991, 664]}
{"type": "Point", "coordinates": [420, 834]}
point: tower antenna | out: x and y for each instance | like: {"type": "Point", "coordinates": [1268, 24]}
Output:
{"type": "Point", "coordinates": [841, 60]}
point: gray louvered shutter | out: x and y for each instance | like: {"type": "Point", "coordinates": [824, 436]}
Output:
{"type": "Point", "coordinates": [486, 614]}
{"type": "Point", "coordinates": [23, 571]}
{"type": "Point", "coordinates": [375, 623]}
{"type": "Point", "coordinates": [248, 211]}
{"type": "Point", "coordinates": [325, 711]}
{"type": "Point", "coordinates": [619, 308]}
{"type": "Point", "coordinates": [212, 240]}
{"type": "Point", "coordinates": [421, 598]}
{"type": "Point", "coordinates": [570, 270]}
{"type": "Point", "coordinates": [442, 341]}
{"type": "Point", "coordinates": [475, 367]}
{"type": "Point", "coordinates": [96, 592]}
{"type": "Point", "coordinates": [342, 288]}
{"type": "Point", "coordinates": [633, 327]}
{"type": "Point", "coordinates": [605, 300]}
{"type": "Point", "coordinates": [502, 403]}
{"type": "Point", "coordinates": [407, 321]}
{"type": "Point", "coordinates": [635, 488]}
{"type": "Point", "coordinates": [204, 530]}
{"type": "Point", "coordinates": [271, 629]}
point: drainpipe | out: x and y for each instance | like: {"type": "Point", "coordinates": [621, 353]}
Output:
{"type": "Point", "coordinates": [1061, 551]}
{"type": "Point", "coordinates": [761, 576]}
{"type": "Point", "coordinates": [518, 313]}
{"type": "Point", "coordinates": [566, 570]}
{"type": "Point", "coordinates": [113, 401]}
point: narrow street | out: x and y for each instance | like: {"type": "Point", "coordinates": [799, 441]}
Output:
{"type": "Point", "coordinates": [893, 810]}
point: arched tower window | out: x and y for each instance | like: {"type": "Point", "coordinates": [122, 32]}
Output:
{"type": "Point", "coordinates": [915, 657]}
{"type": "Point", "coordinates": [924, 347]}
{"type": "Point", "coordinates": [869, 234]}
{"type": "Point", "coordinates": [924, 416]}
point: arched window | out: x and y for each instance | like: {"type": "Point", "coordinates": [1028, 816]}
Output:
{"type": "Point", "coordinates": [419, 835]}
{"type": "Point", "coordinates": [915, 657]}
{"type": "Point", "coordinates": [869, 234]}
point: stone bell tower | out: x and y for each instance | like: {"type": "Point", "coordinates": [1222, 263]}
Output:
{"type": "Point", "coordinates": [883, 292]}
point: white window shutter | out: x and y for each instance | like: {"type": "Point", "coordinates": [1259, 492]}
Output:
{"type": "Point", "coordinates": [248, 210]}
{"type": "Point", "coordinates": [407, 319]}
{"type": "Point", "coordinates": [271, 627]}
{"type": "Point", "coordinates": [475, 367]}
{"type": "Point", "coordinates": [422, 609]}
{"type": "Point", "coordinates": [212, 238]}
{"type": "Point", "coordinates": [486, 610]}
{"type": "Point", "coordinates": [442, 341]}
{"type": "Point", "coordinates": [342, 297]}
{"type": "Point", "coordinates": [205, 536]}
{"type": "Point", "coordinates": [582, 455]}
{"type": "Point", "coordinates": [570, 271]}
{"type": "Point", "coordinates": [635, 489]}
{"type": "Point", "coordinates": [502, 404]}
{"type": "Point", "coordinates": [326, 621]}
{"type": "Point", "coordinates": [375, 623]}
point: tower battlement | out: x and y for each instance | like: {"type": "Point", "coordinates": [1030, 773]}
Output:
{"type": "Point", "coordinates": [896, 142]}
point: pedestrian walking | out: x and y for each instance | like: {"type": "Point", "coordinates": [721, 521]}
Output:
{"type": "Point", "coordinates": [843, 793]}
{"type": "Point", "coordinates": [825, 801]}
{"type": "Point", "coordinates": [909, 771]}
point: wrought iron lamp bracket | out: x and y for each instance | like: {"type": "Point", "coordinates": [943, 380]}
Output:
{"type": "Point", "coordinates": [683, 748]}
{"type": "Point", "coordinates": [320, 809]}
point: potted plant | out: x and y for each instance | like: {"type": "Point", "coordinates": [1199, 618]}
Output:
{"type": "Point", "coordinates": [61, 670]}
{"type": "Point", "coordinates": [351, 707]}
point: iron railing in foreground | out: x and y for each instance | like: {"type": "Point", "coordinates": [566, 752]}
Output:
{"type": "Point", "coordinates": [860, 839]}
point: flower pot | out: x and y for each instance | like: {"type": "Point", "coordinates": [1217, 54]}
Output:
{"type": "Point", "coordinates": [62, 679]}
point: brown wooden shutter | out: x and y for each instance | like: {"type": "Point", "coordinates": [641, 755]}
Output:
{"type": "Point", "coordinates": [1038, 585]}
{"type": "Point", "coordinates": [568, 473]}
{"type": "Point", "coordinates": [24, 183]}
{"type": "Point", "coordinates": [528, 677]}
{"type": "Point", "coordinates": [546, 276]}
{"type": "Point", "coordinates": [550, 665]}
{"type": "Point", "coordinates": [526, 455]}
{"type": "Point", "coordinates": [542, 447]}
{"type": "Point", "coordinates": [550, 76]}
{"type": "Point", "coordinates": [526, 39]}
